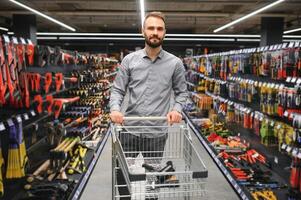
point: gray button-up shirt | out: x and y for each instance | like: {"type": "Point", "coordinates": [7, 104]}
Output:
{"type": "Point", "coordinates": [150, 84]}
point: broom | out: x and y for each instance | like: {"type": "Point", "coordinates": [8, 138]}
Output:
{"type": "Point", "coordinates": [22, 148]}
{"type": "Point", "coordinates": [13, 162]}
{"type": "Point", "coordinates": [1, 179]}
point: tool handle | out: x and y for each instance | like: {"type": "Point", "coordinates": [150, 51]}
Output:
{"type": "Point", "coordinates": [151, 118]}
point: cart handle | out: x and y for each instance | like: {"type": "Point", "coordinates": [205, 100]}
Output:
{"type": "Point", "coordinates": [152, 118]}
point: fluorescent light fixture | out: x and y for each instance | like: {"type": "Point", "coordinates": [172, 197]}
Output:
{"type": "Point", "coordinates": [200, 39]}
{"type": "Point", "coordinates": [142, 12]}
{"type": "Point", "coordinates": [42, 15]}
{"type": "Point", "coordinates": [292, 36]}
{"type": "Point", "coordinates": [213, 35]}
{"type": "Point", "coordinates": [3, 29]}
{"type": "Point", "coordinates": [248, 40]}
{"type": "Point", "coordinates": [88, 34]}
{"type": "Point", "coordinates": [247, 16]}
{"type": "Point", "coordinates": [291, 31]}
{"type": "Point", "coordinates": [291, 40]}
{"type": "Point", "coordinates": [100, 38]}
{"type": "Point", "coordinates": [10, 33]}
{"type": "Point", "coordinates": [46, 38]}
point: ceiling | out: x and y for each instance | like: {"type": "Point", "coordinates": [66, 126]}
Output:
{"type": "Point", "coordinates": [198, 16]}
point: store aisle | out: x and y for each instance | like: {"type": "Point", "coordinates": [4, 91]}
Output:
{"type": "Point", "coordinates": [99, 186]}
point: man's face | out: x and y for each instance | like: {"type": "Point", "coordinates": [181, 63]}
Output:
{"type": "Point", "coordinates": [154, 31]}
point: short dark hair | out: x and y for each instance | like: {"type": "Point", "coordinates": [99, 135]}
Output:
{"type": "Point", "coordinates": [157, 14]}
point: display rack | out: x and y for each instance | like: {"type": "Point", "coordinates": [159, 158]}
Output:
{"type": "Point", "coordinates": [236, 66]}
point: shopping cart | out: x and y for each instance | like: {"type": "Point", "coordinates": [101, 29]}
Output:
{"type": "Point", "coordinates": [175, 172]}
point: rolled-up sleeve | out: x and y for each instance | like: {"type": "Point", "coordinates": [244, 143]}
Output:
{"type": "Point", "coordinates": [119, 87]}
{"type": "Point", "coordinates": [179, 87]}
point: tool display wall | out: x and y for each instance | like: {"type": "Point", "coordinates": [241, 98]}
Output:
{"type": "Point", "coordinates": [254, 92]}
{"type": "Point", "coordinates": [54, 118]}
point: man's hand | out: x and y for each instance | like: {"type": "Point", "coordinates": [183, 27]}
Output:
{"type": "Point", "coordinates": [174, 117]}
{"type": "Point", "coordinates": [116, 117]}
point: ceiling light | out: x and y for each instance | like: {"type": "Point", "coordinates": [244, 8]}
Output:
{"type": "Point", "coordinates": [200, 39]}
{"type": "Point", "coordinates": [213, 35]}
{"type": "Point", "coordinates": [3, 29]}
{"type": "Point", "coordinates": [42, 15]}
{"type": "Point", "coordinates": [292, 36]}
{"type": "Point", "coordinates": [248, 15]}
{"type": "Point", "coordinates": [291, 40]}
{"type": "Point", "coordinates": [100, 38]}
{"type": "Point", "coordinates": [142, 12]}
{"type": "Point", "coordinates": [248, 40]}
{"type": "Point", "coordinates": [46, 38]}
{"type": "Point", "coordinates": [88, 34]}
{"type": "Point", "coordinates": [290, 31]}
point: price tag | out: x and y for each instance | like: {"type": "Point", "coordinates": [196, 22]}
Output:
{"type": "Point", "coordinates": [279, 126]}
{"type": "Point", "coordinates": [297, 43]}
{"type": "Point", "coordinates": [288, 79]}
{"type": "Point", "coordinates": [2, 127]}
{"type": "Point", "coordinates": [33, 113]}
{"type": "Point", "coordinates": [291, 44]}
{"type": "Point", "coordinates": [299, 155]}
{"type": "Point", "coordinates": [10, 122]}
{"type": "Point", "coordinates": [265, 48]}
{"type": "Point", "coordinates": [276, 159]}
{"type": "Point", "coordinates": [295, 152]}
{"type": "Point", "coordinates": [19, 119]}
{"type": "Point", "coordinates": [283, 146]}
{"type": "Point", "coordinates": [294, 79]}
{"type": "Point", "coordinates": [284, 45]}
{"type": "Point", "coordinates": [288, 149]}
{"type": "Point", "coordinates": [299, 81]}
{"type": "Point", "coordinates": [285, 114]}
{"type": "Point", "coordinates": [29, 41]}
{"type": "Point", "coordinates": [15, 40]}
{"type": "Point", "coordinates": [26, 116]}
{"type": "Point", "coordinates": [6, 38]}
{"type": "Point", "coordinates": [272, 123]}
{"type": "Point", "coordinates": [271, 48]}
{"type": "Point", "coordinates": [261, 118]}
{"type": "Point", "coordinates": [260, 84]}
{"type": "Point", "coordinates": [22, 41]}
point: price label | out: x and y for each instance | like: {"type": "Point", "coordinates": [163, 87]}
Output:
{"type": "Point", "coordinates": [299, 81]}
{"type": "Point", "coordinates": [299, 155]}
{"type": "Point", "coordinates": [29, 41]}
{"type": "Point", "coordinates": [283, 146]}
{"type": "Point", "coordinates": [26, 116]}
{"type": "Point", "coordinates": [272, 123]}
{"type": "Point", "coordinates": [295, 152]}
{"type": "Point", "coordinates": [19, 119]}
{"type": "Point", "coordinates": [294, 79]}
{"type": "Point", "coordinates": [279, 126]}
{"type": "Point", "coordinates": [288, 79]}
{"type": "Point", "coordinates": [33, 113]}
{"type": "Point", "coordinates": [2, 127]}
{"type": "Point", "coordinates": [288, 149]}
{"type": "Point", "coordinates": [291, 44]}
{"type": "Point", "coordinates": [10, 122]}
{"type": "Point", "coordinates": [285, 114]}
{"type": "Point", "coordinates": [15, 40]}
{"type": "Point", "coordinates": [265, 48]}
{"type": "Point", "coordinates": [284, 45]}
{"type": "Point", "coordinates": [6, 38]}
{"type": "Point", "coordinates": [22, 41]}
{"type": "Point", "coordinates": [271, 48]}
{"type": "Point", "coordinates": [297, 43]}
{"type": "Point", "coordinates": [276, 159]}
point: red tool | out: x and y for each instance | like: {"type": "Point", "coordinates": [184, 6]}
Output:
{"type": "Point", "coordinates": [58, 104]}
{"type": "Point", "coordinates": [48, 81]}
{"type": "Point", "coordinates": [59, 80]}
{"type": "Point", "coordinates": [295, 173]}
{"type": "Point", "coordinates": [30, 53]}
{"type": "Point", "coordinates": [3, 85]}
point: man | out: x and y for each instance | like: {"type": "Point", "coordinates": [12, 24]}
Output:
{"type": "Point", "coordinates": [149, 75]}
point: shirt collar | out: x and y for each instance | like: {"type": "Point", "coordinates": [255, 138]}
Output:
{"type": "Point", "coordinates": [160, 55]}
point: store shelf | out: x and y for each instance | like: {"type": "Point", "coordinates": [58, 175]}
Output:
{"type": "Point", "coordinates": [243, 195]}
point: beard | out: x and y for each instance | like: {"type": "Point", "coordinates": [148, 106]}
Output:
{"type": "Point", "coordinates": [153, 44]}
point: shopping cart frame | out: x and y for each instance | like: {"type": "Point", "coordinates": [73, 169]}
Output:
{"type": "Point", "coordinates": [119, 154]}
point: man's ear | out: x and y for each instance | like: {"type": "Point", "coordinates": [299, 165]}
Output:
{"type": "Point", "coordinates": [143, 34]}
